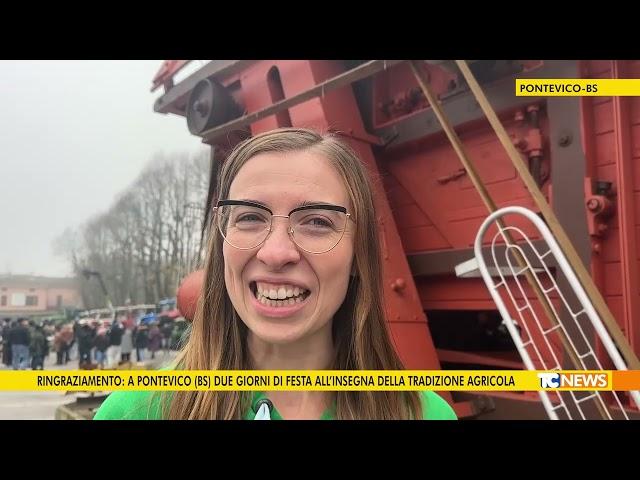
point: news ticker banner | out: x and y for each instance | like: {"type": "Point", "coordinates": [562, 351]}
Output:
{"type": "Point", "coordinates": [319, 380]}
{"type": "Point", "coordinates": [577, 87]}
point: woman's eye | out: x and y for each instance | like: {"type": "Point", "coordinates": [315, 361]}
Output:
{"type": "Point", "coordinates": [319, 222]}
{"type": "Point", "coordinates": [249, 217]}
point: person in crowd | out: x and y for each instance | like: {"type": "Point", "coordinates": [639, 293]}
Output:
{"type": "Point", "coordinates": [141, 341]}
{"type": "Point", "coordinates": [58, 345]}
{"type": "Point", "coordinates": [101, 344]}
{"type": "Point", "coordinates": [39, 348]}
{"type": "Point", "coordinates": [85, 338]}
{"type": "Point", "coordinates": [115, 340]}
{"type": "Point", "coordinates": [6, 344]}
{"type": "Point", "coordinates": [155, 339]}
{"type": "Point", "coordinates": [126, 344]}
{"type": "Point", "coordinates": [68, 339]}
{"type": "Point", "coordinates": [20, 338]}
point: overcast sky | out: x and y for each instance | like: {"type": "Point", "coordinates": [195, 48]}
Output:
{"type": "Point", "coordinates": [73, 134]}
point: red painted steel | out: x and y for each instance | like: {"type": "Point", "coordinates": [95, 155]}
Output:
{"type": "Point", "coordinates": [426, 204]}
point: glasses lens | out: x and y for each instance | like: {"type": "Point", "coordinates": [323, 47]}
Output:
{"type": "Point", "coordinates": [243, 226]}
{"type": "Point", "coordinates": [318, 230]}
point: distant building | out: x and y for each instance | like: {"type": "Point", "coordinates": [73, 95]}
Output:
{"type": "Point", "coordinates": [28, 295]}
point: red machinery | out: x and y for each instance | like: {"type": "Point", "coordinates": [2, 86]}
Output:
{"type": "Point", "coordinates": [582, 152]}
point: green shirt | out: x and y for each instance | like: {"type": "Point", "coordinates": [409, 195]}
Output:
{"type": "Point", "coordinates": [129, 405]}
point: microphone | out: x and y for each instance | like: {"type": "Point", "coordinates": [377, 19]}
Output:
{"type": "Point", "coordinates": [263, 408]}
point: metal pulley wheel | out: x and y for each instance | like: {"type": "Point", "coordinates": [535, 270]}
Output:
{"type": "Point", "coordinates": [209, 105]}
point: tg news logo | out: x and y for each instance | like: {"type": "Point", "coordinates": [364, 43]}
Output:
{"type": "Point", "coordinates": [573, 380]}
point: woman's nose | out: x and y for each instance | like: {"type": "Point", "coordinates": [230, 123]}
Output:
{"type": "Point", "coordinates": [278, 249]}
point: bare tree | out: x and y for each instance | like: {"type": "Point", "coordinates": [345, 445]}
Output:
{"type": "Point", "coordinates": [148, 240]}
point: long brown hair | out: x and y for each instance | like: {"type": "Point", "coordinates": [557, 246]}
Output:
{"type": "Point", "coordinates": [218, 338]}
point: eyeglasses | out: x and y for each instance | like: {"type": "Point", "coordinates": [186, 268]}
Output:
{"type": "Point", "coordinates": [314, 228]}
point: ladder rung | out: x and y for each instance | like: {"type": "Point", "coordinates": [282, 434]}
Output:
{"type": "Point", "coordinates": [586, 398]}
{"type": "Point", "coordinates": [544, 332]}
{"type": "Point", "coordinates": [585, 355]}
{"type": "Point", "coordinates": [578, 314]}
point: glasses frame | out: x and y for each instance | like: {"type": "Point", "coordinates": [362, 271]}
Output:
{"type": "Point", "coordinates": [290, 230]}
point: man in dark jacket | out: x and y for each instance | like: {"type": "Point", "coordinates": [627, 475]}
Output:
{"type": "Point", "coordinates": [6, 344]}
{"type": "Point", "coordinates": [20, 338]}
{"type": "Point", "coordinates": [85, 336]}
{"type": "Point", "coordinates": [101, 342]}
{"type": "Point", "coordinates": [141, 341]}
{"type": "Point", "coordinates": [115, 340]}
{"type": "Point", "coordinates": [39, 348]}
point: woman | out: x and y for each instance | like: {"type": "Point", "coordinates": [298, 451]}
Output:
{"type": "Point", "coordinates": [126, 344]}
{"type": "Point", "coordinates": [155, 339]}
{"type": "Point", "coordinates": [59, 345]}
{"type": "Point", "coordinates": [295, 243]}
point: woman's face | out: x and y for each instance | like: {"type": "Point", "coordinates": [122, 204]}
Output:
{"type": "Point", "coordinates": [318, 282]}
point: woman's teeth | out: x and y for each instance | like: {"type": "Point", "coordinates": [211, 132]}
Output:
{"type": "Point", "coordinates": [279, 295]}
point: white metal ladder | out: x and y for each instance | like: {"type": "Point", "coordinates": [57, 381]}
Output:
{"type": "Point", "coordinates": [511, 283]}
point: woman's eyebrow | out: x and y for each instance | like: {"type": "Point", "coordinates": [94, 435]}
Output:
{"type": "Point", "coordinates": [253, 201]}
{"type": "Point", "coordinates": [300, 204]}
{"type": "Point", "coordinates": [313, 202]}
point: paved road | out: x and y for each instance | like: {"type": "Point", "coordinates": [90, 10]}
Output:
{"type": "Point", "coordinates": [42, 405]}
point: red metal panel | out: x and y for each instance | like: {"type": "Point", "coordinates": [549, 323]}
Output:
{"type": "Point", "coordinates": [338, 109]}
{"type": "Point", "coordinates": [626, 205]}
{"type": "Point", "coordinates": [613, 279]}
{"type": "Point", "coordinates": [616, 305]}
{"type": "Point", "coordinates": [603, 114]}
{"type": "Point", "coordinates": [595, 68]}
{"type": "Point", "coordinates": [407, 337]}
{"type": "Point", "coordinates": [411, 216]}
{"type": "Point", "coordinates": [610, 255]}
{"type": "Point", "coordinates": [419, 239]}
{"type": "Point", "coordinates": [425, 172]}
{"type": "Point", "coordinates": [611, 138]}
{"type": "Point", "coordinates": [452, 289]}
{"type": "Point", "coordinates": [471, 294]}
{"type": "Point", "coordinates": [510, 360]}
{"type": "Point", "coordinates": [635, 144]}
{"type": "Point", "coordinates": [256, 93]}
{"type": "Point", "coordinates": [396, 93]}
{"type": "Point", "coordinates": [605, 146]}
{"type": "Point", "coordinates": [431, 205]}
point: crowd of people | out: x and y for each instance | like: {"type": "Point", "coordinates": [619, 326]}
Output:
{"type": "Point", "coordinates": [93, 343]}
